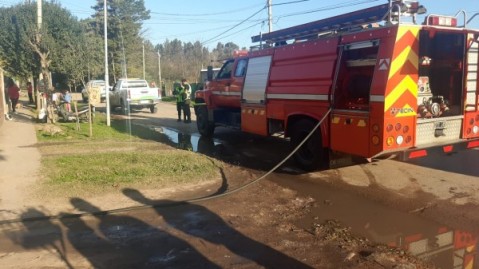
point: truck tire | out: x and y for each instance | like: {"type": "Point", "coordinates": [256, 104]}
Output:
{"type": "Point", "coordinates": [311, 155]}
{"type": "Point", "coordinates": [153, 109]}
{"type": "Point", "coordinates": [205, 127]}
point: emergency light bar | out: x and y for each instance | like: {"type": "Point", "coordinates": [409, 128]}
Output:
{"type": "Point", "coordinates": [240, 53]}
{"type": "Point", "coordinates": [437, 20]}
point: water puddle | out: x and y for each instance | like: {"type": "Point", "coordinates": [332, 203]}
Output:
{"type": "Point", "coordinates": [428, 240]}
{"type": "Point", "coordinates": [249, 152]}
{"type": "Point", "coordinates": [192, 142]}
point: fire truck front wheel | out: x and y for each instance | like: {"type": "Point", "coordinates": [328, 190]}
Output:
{"type": "Point", "coordinates": [205, 127]}
{"type": "Point", "coordinates": [310, 156]}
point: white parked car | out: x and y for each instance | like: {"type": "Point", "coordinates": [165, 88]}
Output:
{"type": "Point", "coordinates": [94, 84]}
{"type": "Point", "coordinates": [134, 93]}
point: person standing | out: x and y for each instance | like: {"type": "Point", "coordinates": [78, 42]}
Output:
{"type": "Point", "coordinates": [67, 98]}
{"type": "Point", "coordinates": [179, 93]}
{"type": "Point", "coordinates": [13, 94]}
{"type": "Point", "coordinates": [30, 92]}
{"type": "Point", "coordinates": [186, 101]}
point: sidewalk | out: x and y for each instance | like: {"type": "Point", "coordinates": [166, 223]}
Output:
{"type": "Point", "coordinates": [19, 162]}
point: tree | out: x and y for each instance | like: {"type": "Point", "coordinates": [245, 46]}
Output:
{"type": "Point", "coordinates": [125, 19]}
{"type": "Point", "coordinates": [17, 57]}
{"type": "Point", "coordinates": [53, 47]}
{"type": "Point", "coordinates": [92, 65]}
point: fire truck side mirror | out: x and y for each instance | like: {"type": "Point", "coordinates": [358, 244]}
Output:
{"type": "Point", "coordinates": [209, 73]}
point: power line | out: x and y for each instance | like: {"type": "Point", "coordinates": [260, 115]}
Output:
{"type": "Point", "coordinates": [197, 32]}
{"type": "Point", "coordinates": [190, 21]}
{"type": "Point", "coordinates": [328, 8]}
{"type": "Point", "coordinates": [292, 2]}
{"type": "Point", "coordinates": [243, 29]}
{"type": "Point", "coordinates": [238, 24]}
{"type": "Point", "coordinates": [209, 14]}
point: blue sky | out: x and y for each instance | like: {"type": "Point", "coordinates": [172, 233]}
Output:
{"type": "Point", "coordinates": [212, 21]}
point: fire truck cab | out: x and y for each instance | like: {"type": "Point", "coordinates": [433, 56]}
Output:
{"type": "Point", "coordinates": [383, 82]}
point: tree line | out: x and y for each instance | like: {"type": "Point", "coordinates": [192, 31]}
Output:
{"type": "Point", "coordinates": [70, 52]}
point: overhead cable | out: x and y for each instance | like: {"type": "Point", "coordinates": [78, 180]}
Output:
{"type": "Point", "coordinates": [236, 25]}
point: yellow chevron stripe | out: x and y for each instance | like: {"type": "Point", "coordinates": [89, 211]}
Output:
{"type": "Point", "coordinates": [407, 84]}
{"type": "Point", "coordinates": [407, 55]}
{"type": "Point", "coordinates": [405, 29]}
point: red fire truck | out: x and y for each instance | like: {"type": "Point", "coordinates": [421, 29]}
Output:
{"type": "Point", "coordinates": [383, 82]}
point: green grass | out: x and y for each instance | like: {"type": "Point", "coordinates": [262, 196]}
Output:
{"type": "Point", "coordinates": [100, 131]}
{"type": "Point", "coordinates": [164, 168]}
{"type": "Point", "coordinates": [122, 155]}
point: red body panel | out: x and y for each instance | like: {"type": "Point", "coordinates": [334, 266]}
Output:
{"type": "Point", "coordinates": [304, 77]}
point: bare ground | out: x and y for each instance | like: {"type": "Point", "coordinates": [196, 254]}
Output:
{"type": "Point", "coordinates": [254, 228]}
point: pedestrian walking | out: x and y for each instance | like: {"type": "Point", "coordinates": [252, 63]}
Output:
{"type": "Point", "coordinates": [186, 101]}
{"type": "Point", "coordinates": [13, 94]}
{"type": "Point", "coordinates": [30, 92]}
{"type": "Point", "coordinates": [6, 103]}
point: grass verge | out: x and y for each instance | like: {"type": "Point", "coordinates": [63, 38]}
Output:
{"type": "Point", "coordinates": [73, 163]}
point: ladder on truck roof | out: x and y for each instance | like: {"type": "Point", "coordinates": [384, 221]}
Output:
{"type": "Point", "coordinates": [356, 18]}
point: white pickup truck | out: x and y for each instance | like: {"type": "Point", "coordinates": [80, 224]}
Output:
{"type": "Point", "coordinates": [133, 93]}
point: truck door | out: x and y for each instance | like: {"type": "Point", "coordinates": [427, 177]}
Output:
{"type": "Point", "coordinates": [350, 114]}
{"type": "Point", "coordinates": [253, 108]}
{"type": "Point", "coordinates": [229, 82]}
{"type": "Point", "coordinates": [471, 105]}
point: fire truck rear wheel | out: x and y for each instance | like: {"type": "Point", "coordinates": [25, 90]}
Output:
{"type": "Point", "coordinates": [311, 154]}
{"type": "Point", "coordinates": [205, 127]}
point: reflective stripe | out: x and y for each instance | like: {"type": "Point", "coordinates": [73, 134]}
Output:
{"type": "Point", "coordinates": [320, 97]}
{"type": "Point", "coordinates": [227, 93]}
{"type": "Point", "coordinates": [377, 98]}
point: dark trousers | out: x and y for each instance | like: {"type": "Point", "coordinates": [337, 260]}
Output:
{"type": "Point", "coordinates": [14, 103]}
{"type": "Point", "coordinates": [179, 108]}
{"type": "Point", "coordinates": [187, 111]}
{"type": "Point", "coordinates": [30, 98]}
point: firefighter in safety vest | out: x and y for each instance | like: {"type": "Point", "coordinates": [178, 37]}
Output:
{"type": "Point", "coordinates": [183, 99]}
{"type": "Point", "coordinates": [178, 92]}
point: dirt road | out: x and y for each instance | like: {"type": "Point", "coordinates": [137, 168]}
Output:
{"type": "Point", "coordinates": [290, 220]}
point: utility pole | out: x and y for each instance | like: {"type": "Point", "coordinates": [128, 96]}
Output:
{"type": "Point", "coordinates": [39, 15]}
{"type": "Point", "coordinates": [39, 28]}
{"type": "Point", "coordinates": [270, 16]}
{"type": "Point", "coordinates": [107, 84]}
{"type": "Point", "coordinates": [144, 60]}
{"type": "Point", "coordinates": [159, 70]}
